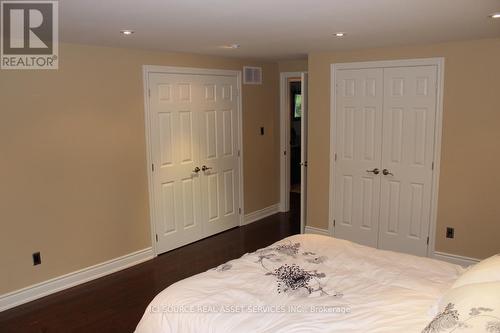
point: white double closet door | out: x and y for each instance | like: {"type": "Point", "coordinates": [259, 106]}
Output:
{"type": "Point", "coordinates": [385, 134]}
{"type": "Point", "coordinates": [194, 149]}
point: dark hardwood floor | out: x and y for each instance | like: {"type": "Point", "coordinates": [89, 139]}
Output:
{"type": "Point", "coordinates": [115, 303]}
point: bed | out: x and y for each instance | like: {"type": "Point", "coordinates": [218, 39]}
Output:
{"type": "Point", "coordinates": [305, 283]}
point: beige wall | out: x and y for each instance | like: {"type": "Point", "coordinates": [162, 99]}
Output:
{"type": "Point", "coordinates": [292, 65]}
{"type": "Point", "coordinates": [469, 189]}
{"type": "Point", "coordinates": [73, 158]}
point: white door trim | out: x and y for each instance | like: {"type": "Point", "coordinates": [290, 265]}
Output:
{"type": "Point", "coordinates": [147, 69]}
{"type": "Point", "coordinates": [439, 62]}
{"type": "Point", "coordinates": [285, 141]}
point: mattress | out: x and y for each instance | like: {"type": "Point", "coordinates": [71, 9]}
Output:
{"type": "Point", "coordinates": [305, 283]}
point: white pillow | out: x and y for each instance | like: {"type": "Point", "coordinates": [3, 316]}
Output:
{"type": "Point", "coordinates": [488, 270]}
{"type": "Point", "coordinates": [470, 308]}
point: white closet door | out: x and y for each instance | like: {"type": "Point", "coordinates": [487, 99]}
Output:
{"type": "Point", "coordinates": [358, 140]}
{"type": "Point", "coordinates": [174, 105]}
{"type": "Point", "coordinates": [407, 153]}
{"type": "Point", "coordinates": [219, 153]}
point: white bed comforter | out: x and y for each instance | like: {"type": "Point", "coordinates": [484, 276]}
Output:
{"type": "Point", "coordinates": [305, 283]}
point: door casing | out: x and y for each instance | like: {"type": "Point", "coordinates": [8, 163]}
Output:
{"type": "Point", "coordinates": [147, 69]}
{"type": "Point", "coordinates": [439, 62]}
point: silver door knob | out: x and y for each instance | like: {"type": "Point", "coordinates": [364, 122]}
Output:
{"type": "Point", "coordinates": [205, 168]}
{"type": "Point", "coordinates": [375, 171]}
{"type": "Point", "coordinates": [196, 170]}
{"type": "Point", "coordinates": [386, 172]}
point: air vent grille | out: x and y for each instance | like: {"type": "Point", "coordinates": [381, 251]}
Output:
{"type": "Point", "coordinates": [252, 75]}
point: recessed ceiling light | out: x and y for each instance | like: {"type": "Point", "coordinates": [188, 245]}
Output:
{"type": "Point", "coordinates": [495, 15]}
{"type": "Point", "coordinates": [127, 32]}
{"type": "Point", "coordinates": [339, 34]}
{"type": "Point", "coordinates": [231, 46]}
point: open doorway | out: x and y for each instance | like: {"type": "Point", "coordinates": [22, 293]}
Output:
{"type": "Point", "coordinates": [294, 145]}
{"type": "Point", "coordinates": [295, 108]}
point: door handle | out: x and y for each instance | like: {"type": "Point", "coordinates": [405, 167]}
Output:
{"type": "Point", "coordinates": [205, 168]}
{"type": "Point", "coordinates": [375, 171]}
{"type": "Point", "coordinates": [386, 172]}
{"type": "Point", "coordinates": [196, 170]}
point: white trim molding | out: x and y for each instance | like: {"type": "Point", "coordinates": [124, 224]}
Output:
{"type": "Point", "coordinates": [316, 231]}
{"type": "Point", "coordinates": [63, 282]}
{"type": "Point", "coordinates": [455, 259]}
{"type": "Point", "coordinates": [261, 213]}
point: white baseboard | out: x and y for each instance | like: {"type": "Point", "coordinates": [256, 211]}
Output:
{"type": "Point", "coordinates": [54, 285]}
{"type": "Point", "coordinates": [260, 214]}
{"type": "Point", "coordinates": [316, 231]}
{"type": "Point", "coordinates": [455, 259]}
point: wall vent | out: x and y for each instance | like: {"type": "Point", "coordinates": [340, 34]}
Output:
{"type": "Point", "coordinates": [252, 75]}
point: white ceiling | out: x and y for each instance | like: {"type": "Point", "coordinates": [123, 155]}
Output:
{"type": "Point", "coordinates": [274, 29]}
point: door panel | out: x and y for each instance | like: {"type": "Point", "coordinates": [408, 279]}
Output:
{"type": "Point", "coordinates": [408, 150]}
{"type": "Point", "coordinates": [359, 101]}
{"type": "Point", "coordinates": [210, 141]}
{"type": "Point", "coordinates": [168, 208]}
{"type": "Point", "coordinates": [227, 133]}
{"type": "Point", "coordinates": [175, 154]}
{"type": "Point", "coordinates": [212, 183]}
{"type": "Point", "coordinates": [220, 184]}
{"type": "Point", "coordinates": [229, 198]}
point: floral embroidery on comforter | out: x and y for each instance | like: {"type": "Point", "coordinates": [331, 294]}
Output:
{"type": "Point", "coordinates": [288, 264]}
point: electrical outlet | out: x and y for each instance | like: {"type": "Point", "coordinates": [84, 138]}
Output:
{"type": "Point", "coordinates": [37, 258]}
{"type": "Point", "coordinates": [450, 232]}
